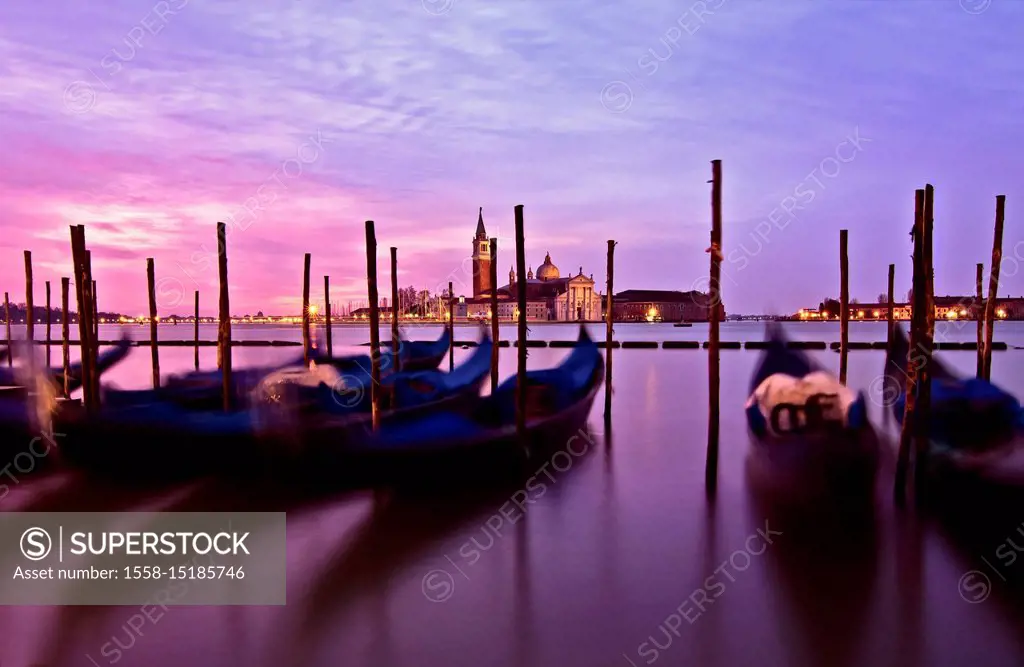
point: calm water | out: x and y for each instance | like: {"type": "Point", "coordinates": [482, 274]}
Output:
{"type": "Point", "coordinates": [598, 571]}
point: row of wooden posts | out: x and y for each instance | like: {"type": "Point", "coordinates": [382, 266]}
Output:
{"type": "Point", "coordinates": [914, 430]}
{"type": "Point", "coordinates": [88, 319]}
{"type": "Point", "coordinates": [922, 324]}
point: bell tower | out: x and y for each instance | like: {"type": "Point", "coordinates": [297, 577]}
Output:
{"type": "Point", "coordinates": [481, 258]}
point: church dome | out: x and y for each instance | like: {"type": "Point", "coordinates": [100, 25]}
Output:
{"type": "Point", "coordinates": [547, 270]}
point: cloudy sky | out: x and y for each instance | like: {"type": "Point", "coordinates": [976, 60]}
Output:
{"type": "Point", "coordinates": [297, 120]}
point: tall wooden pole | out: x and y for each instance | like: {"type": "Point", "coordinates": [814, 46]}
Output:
{"type": "Point", "coordinates": [65, 333]}
{"type": "Point", "coordinates": [396, 357]}
{"type": "Point", "coordinates": [305, 308]}
{"type": "Point", "coordinates": [95, 312]}
{"type": "Point", "coordinates": [224, 324]}
{"type": "Point", "coordinates": [371, 288]}
{"type": "Point", "coordinates": [451, 327]}
{"type": "Point", "coordinates": [327, 316]}
{"type": "Point", "coordinates": [917, 326]}
{"type": "Point", "coordinates": [30, 316]}
{"type": "Point", "coordinates": [195, 331]}
{"type": "Point", "coordinates": [521, 338]}
{"type": "Point", "coordinates": [89, 287]}
{"type": "Point", "coordinates": [924, 379]}
{"type": "Point", "coordinates": [891, 319]}
{"type": "Point", "coordinates": [844, 304]}
{"type": "Point", "coordinates": [153, 346]}
{"type": "Point", "coordinates": [7, 323]}
{"type": "Point", "coordinates": [609, 318]}
{"type": "Point", "coordinates": [993, 284]}
{"type": "Point", "coordinates": [84, 323]}
{"type": "Point", "coordinates": [715, 289]}
{"type": "Point", "coordinates": [495, 332]}
{"type": "Point", "coordinates": [979, 315]}
{"type": "Point", "coordinates": [49, 325]}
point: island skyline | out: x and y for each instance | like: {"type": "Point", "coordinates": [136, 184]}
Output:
{"type": "Point", "coordinates": [601, 122]}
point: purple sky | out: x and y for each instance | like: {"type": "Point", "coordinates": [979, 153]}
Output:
{"type": "Point", "coordinates": [601, 118]}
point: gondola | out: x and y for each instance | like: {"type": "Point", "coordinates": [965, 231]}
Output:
{"type": "Point", "coordinates": [975, 454]}
{"type": "Point", "coordinates": [481, 445]}
{"type": "Point", "coordinates": [10, 377]}
{"type": "Point", "coordinates": [810, 435]}
{"type": "Point", "coordinates": [421, 355]}
{"type": "Point", "coordinates": [204, 389]}
{"type": "Point", "coordinates": [160, 434]}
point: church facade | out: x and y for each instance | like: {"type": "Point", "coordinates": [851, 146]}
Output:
{"type": "Point", "coordinates": [549, 296]}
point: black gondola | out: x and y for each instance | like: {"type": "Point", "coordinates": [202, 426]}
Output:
{"type": "Point", "coordinates": [172, 434]}
{"type": "Point", "coordinates": [975, 433]}
{"type": "Point", "coordinates": [11, 377]}
{"type": "Point", "coordinates": [810, 435]}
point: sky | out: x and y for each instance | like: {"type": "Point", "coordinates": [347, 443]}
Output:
{"type": "Point", "coordinates": [294, 121]}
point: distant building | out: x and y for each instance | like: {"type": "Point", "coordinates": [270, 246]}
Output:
{"type": "Point", "coordinates": [662, 306]}
{"type": "Point", "coordinates": [946, 308]}
{"type": "Point", "coordinates": [549, 296]}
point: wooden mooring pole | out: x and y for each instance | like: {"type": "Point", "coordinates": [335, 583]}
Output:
{"type": "Point", "coordinates": [49, 325]}
{"type": "Point", "coordinates": [891, 319]}
{"type": "Point", "coordinates": [495, 332]}
{"type": "Point", "coordinates": [7, 322]}
{"type": "Point", "coordinates": [924, 379]}
{"type": "Point", "coordinates": [979, 314]}
{"type": "Point", "coordinates": [395, 351]}
{"type": "Point", "coordinates": [371, 288]}
{"type": "Point", "coordinates": [521, 330]}
{"type": "Point", "coordinates": [451, 327]}
{"type": "Point", "coordinates": [917, 326]}
{"type": "Point", "coordinates": [95, 310]}
{"type": "Point", "coordinates": [715, 293]}
{"type": "Point", "coordinates": [30, 316]}
{"type": "Point", "coordinates": [65, 334]}
{"type": "Point", "coordinates": [305, 308]}
{"type": "Point", "coordinates": [608, 318]}
{"type": "Point", "coordinates": [993, 284]}
{"type": "Point", "coordinates": [844, 304]}
{"type": "Point", "coordinates": [153, 342]}
{"type": "Point", "coordinates": [195, 330]}
{"type": "Point", "coordinates": [327, 316]}
{"type": "Point", "coordinates": [84, 324]}
{"type": "Point", "coordinates": [224, 313]}
{"type": "Point", "coordinates": [90, 290]}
